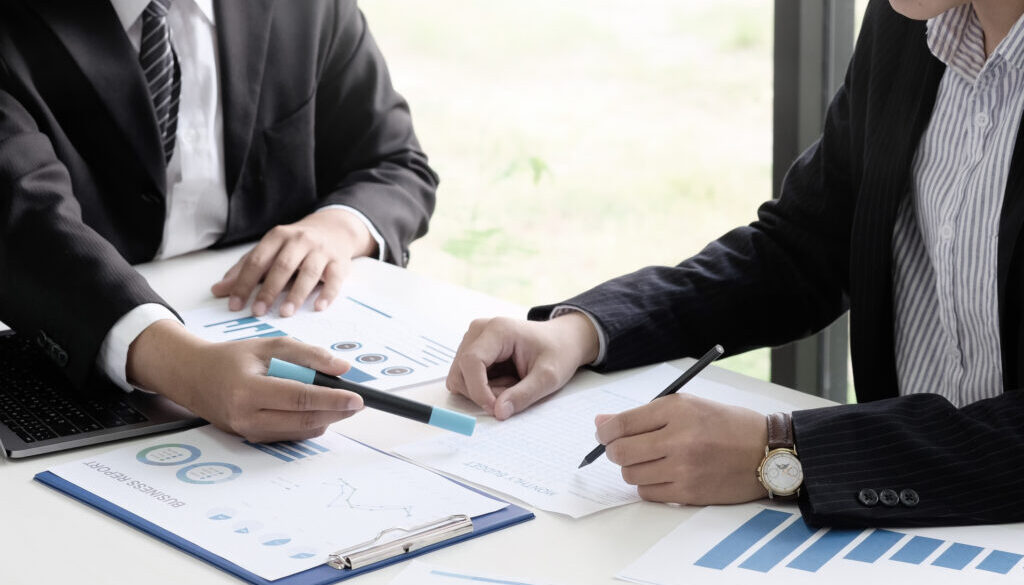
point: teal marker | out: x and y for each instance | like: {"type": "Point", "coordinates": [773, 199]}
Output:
{"type": "Point", "coordinates": [432, 415]}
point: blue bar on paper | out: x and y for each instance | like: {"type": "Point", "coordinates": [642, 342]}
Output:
{"type": "Point", "coordinates": [316, 446]}
{"type": "Point", "coordinates": [917, 550]}
{"type": "Point", "coordinates": [300, 447]}
{"type": "Point", "coordinates": [358, 376]}
{"type": "Point", "coordinates": [779, 547]}
{"type": "Point", "coordinates": [999, 561]}
{"type": "Point", "coordinates": [874, 546]}
{"type": "Point", "coordinates": [282, 447]}
{"type": "Point", "coordinates": [733, 546]}
{"type": "Point", "coordinates": [957, 556]}
{"type": "Point", "coordinates": [271, 334]}
{"type": "Point", "coordinates": [269, 451]}
{"type": "Point", "coordinates": [823, 550]}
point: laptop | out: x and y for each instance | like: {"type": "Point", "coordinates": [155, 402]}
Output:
{"type": "Point", "coordinates": [40, 412]}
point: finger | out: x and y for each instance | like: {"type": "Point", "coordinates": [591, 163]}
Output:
{"type": "Point", "coordinates": [473, 359]}
{"type": "Point", "coordinates": [306, 279]}
{"type": "Point", "coordinates": [223, 288]}
{"type": "Point", "coordinates": [280, 272]}
{"type": "Point", "coordinates": [541, 380]}
{"type": "Point", "coordinates": [254, 266]}
{"type": "Point", "coordinates": [456, 381]}
{"type": "Point", "coordinates": [502, 383]}
{"type": "Point", "coordinates": [278, 425]}
{"type": "Point", "coordinates": [643, 419]}
{"type": "Point", "coordinates": [334, 275]}
{"type": "Point", "coordinates": [310, 356]}
{"type": "Point", "coordinates": [635, 450]}
{"type": "Point", "coordinates": [292, 396]}
{"type": "Point", "coordinates": [659, 492]}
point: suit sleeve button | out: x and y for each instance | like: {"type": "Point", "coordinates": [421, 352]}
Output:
{"type": "Point", "coordinates": [888, 497]}
{"type": "Point", "coordinates": [868, 497]}
{"type": "Point", "coordinates": [909, 498]}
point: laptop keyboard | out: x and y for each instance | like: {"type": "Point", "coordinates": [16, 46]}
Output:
{"type": "Point", "coordinates": [39, 404]}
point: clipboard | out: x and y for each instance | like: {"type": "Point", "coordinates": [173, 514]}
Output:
{"type": "Point", "coordinates": [390, 546]}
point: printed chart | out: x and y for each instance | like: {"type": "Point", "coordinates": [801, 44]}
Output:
{"type": "Point", "coordinates": [752, 540]}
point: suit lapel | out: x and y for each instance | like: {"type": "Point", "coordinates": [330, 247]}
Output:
{"type": "Point", "coordinates": [243, 31]}
{"type": "Point", "coordinates": [1011, 220]}
{"type": "Point", "coordinates": [95, 40]}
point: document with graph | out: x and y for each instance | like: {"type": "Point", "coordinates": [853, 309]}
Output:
{"type": "Point", "coordinates": [751, 543]}
{"type": "Point", "coordinates": [272, 509]}
{"type": "Point", "coordinates": [377, 324]}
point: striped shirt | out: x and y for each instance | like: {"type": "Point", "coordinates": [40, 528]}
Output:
{"type": "Point", "coordinates": [946, 233]}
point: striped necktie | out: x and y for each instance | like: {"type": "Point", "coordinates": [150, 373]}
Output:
{"type": "Point", "coordinates": [160, 67]}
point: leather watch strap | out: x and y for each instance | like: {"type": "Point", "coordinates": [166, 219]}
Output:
{"type": "Point", "coordinates": [780, 431]}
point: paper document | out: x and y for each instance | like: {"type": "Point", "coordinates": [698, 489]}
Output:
{"type": "Point", "coordinates": [420, 573]}
{"type": "Point", "coordinates": [274, 509]}
{"type": "Point", "coordinates": [534, 455]}
{"type": "Point", "coordinates": [750, 543]}
{"type": "Point", "coordinates": [373, 324]}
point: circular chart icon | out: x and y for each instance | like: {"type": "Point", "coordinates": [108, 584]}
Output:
{"type": "Point", "coordinates": [209, 473]}
{"type": "Point", "coordinates": [168, 454]}
{"type": "Point", "coordinates": [274, 539]}
{"type": "Point", "coordinates": [301, 552]}
{"type": "Point", "coordinates": [346, 345]}
{"type": "Point", "coordinates": [396, 371]}
{"type": "Point", "coordinates": [220, 514]}
{"type": "Point", "coordinates": [372, 358]}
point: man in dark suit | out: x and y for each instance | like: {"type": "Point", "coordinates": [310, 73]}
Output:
{"type": "Point", "coordinates": [907, 212]}
{"type": "Point", "coordinates": [136, 129]}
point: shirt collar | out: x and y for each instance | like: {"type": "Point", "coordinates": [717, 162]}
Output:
{"type": "Point", "coordinates": [129, 11]}
{"type": "Point", "coordinates": [955, 38]}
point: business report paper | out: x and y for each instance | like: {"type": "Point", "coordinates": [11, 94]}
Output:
{"type": "Point", "coordinates": [274, 509]}
{"type": "Point", "coordinates": [534, 455]}
{"type": "Point", "coordinates": [752, 543]}
{"type": "Point", "coordinates": [420, 573]}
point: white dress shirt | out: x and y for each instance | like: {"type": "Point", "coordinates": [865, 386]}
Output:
{"type": "Point", "coordinates": [197, 198]}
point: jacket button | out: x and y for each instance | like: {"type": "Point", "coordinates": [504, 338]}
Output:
{"type": "Point", "coordinates": [868, 497]}
{"type": "Point", "coordinates": [888, 497]}
{"type": "Point", "coordinates": [909, 498]}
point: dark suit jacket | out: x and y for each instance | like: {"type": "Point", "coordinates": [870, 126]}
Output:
{"type": "Point", "coordinates": [824, 247]}
{"type": "Point", "coordinates": [310, 119]}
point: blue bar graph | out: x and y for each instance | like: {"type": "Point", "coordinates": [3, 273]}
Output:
{"type": "Point", "coordinates": [779, 547]}
{"type": "Point", "coordinates": [270, 451]}
{"type": "Point", "coordinates": [287, 450]}
{"type": "Point", "coordinates": [316, 446]}
{"type": "Point", "coordinates": [917, 550]}
{"type": "Point", "coordinates": [823, 550]}
{"type": "Point", "coordinates": [1000, 562]}
{"type": "Point", "coordinates": [957, 556]}
{"type": "Point", "coordinates": [300, 446]}
{"type": "Point", "coordinates": [742, 539]}
{"type": "Point", "coordinates": [874, 546]}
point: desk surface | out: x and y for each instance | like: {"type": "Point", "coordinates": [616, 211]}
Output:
{"type": "Point", "coordinates": [46, 537]}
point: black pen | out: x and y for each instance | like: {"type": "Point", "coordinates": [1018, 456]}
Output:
{"type": "Point", "coordinates": [713, 354]}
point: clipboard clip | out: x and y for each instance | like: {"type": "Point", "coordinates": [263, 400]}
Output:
{"type": "Point", "coordinates": [399, 540]}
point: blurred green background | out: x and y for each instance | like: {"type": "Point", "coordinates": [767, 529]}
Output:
{"type": "Point", "coordinates": [580, 140]}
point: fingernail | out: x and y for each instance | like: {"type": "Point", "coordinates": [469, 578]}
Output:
{"type": "Point", "coordinates": [337, 363]}
{"type": "Point", "coordinates": [321, 304]}
{"type": "Point", "coordinates": [503, 410]}
{"type": "Point", "coordinates": [287, 309]}
{"type": "Point", "coordinates": [235, 303]}
{"type": "Point", "coordinates": [355, 403]}
{"type": "Point", "coordinates": [259, 308]}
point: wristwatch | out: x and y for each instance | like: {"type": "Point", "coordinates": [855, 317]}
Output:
{"type": "Point", "coordinates": [780, 471]}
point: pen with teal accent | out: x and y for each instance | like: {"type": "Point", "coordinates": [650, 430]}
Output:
{"type": "Point", "coordinates": [425, 413]}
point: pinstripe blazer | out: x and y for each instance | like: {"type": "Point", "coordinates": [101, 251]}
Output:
{"type": "Point", "coordinates": [823, 247]}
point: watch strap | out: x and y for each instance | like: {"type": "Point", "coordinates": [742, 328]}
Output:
{"type": "Point", "coordinates": [780, 431]}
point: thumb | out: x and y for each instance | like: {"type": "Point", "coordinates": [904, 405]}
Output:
{"type": "Point", "coordinates": [538, 383]}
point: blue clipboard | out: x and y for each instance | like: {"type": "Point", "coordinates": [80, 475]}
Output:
{"type": "Point", "coordinates": [319, 575]}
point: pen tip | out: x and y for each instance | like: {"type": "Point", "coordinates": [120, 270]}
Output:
{"type": "Point", "coordinates": [583, 464]}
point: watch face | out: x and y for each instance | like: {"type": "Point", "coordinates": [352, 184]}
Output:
{"type": "Point", "coordinates": [782, 472]}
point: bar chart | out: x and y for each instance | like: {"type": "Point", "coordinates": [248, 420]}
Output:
{"type": "Point", "coordinates": [727, 544]}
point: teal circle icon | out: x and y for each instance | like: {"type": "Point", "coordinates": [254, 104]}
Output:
{"type": "Point", "coordinates": [209, 473]}
{"type": "Point", "coordinates": [168, 454]}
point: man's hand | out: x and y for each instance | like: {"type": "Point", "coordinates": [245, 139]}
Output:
{"type": "Point", "coordinates": [226, 383]}
{"type": "Point", "coordinates": [688, 450]}
{"type": "Point", "coordinates": [505, 365]}
{"type": "Point", "coordinates": [319, 247]}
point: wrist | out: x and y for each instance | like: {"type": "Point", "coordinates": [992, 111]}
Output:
{"type": "Point", "coordinates": [349, 226]}
{"type": "Point", "coordinates": [579, 331]}
{"type": "Point", "coordinates": [156, 358]}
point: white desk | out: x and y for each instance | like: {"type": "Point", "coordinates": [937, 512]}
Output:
{"type": "Point", "coordinates": [47, 537]}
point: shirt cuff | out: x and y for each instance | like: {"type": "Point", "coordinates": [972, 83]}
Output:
{"type": "Point", "coordinates": [602, 339]}
{"type": "Point", "coordinates": [366, 221]}
{"type": "Point", "coordinates": [113, 356]}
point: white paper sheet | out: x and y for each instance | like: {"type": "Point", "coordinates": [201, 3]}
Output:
{"type": "Point", "coordinates": [420, 573]}
{"type": "Point", "coordinates": [374, 324]}
{"type": "Point", "coordinates": [534, 455]}
{"type": "Point", "coordinates": [273, 509]}
{"type": "Point", "coordinates": [752, 543]}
